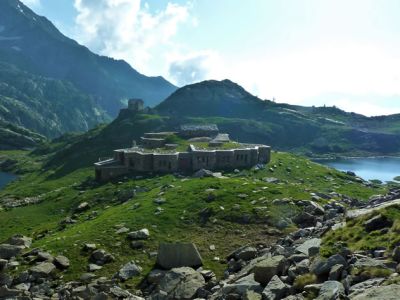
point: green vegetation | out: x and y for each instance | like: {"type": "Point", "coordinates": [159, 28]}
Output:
{"type": "Point", "coordinates": [354, 235]}
{"type": "Point", "coordinates": [46, 106]}
{"type": "Point", "coordinates": [301, 281]}
{"type": "Point", "coordinates": [224, 212]}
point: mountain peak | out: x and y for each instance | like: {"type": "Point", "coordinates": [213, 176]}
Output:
{"type": "Point", "coordinates": [211, 98]}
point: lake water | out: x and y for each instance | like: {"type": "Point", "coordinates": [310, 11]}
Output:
{"type": "Point", "coordinates": [6, 178]}
{"type": "Point", "coordinates": [382, 168]}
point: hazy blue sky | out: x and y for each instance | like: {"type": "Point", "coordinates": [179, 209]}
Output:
{"type": "Point", "coordinates": [312, 52]}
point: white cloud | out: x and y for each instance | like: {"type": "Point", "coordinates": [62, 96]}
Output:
{"type": "Point", "coordinates": [126, 29]}
{"type": "Point", "coordinates": [192, 67]}
{"type": "Point", "coordinates": [31, 3]}
{"type": "Point", "coordinates": [306, 76]}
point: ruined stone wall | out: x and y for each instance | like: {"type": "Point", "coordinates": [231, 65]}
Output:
{"type": "Point", "coordinates": [264, 154]}
{"type": "Point", "coordinates": [165, 162]}
{"type": "Point", "coordinates": [224, 159]}
{"type": "Point", "coordinates": [241, 158]}
{"type": "Point", "coordinates": [204, 160]}
{"type": "Point", "coordinates": [107, 173]}
{"type": "Point", "coordinates": [185, 162]}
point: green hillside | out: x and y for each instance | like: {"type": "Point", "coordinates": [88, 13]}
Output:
{"type": "Point", "coordinates": [227, 212]}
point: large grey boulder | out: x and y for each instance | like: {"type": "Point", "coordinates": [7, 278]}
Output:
{"type": "Point", "coordinates": [178, 255]}
{"type": "Point", "coordinates": [269, 267]}
{"type": "Point", "coordinates": [321, 266]}
{"type": "Point", "coordinates": [242, 285]}
{"type": "Point", "coordinates": [128, 271]}
{"type": "Point", "coordinates": [359, 288]}
{"type": "Point", "coordinates": [181, 283]}
{"type": "Point", "coordinates": [331, 290]}
{"type": "Point", "coordinates": [8, 251]}
{"type": "Point", "coordinates": [389, 292]}
{"type": "Point", "coordinates": [309, 247]}
{"type": "Point", "coordinates": [275, 289]}
{"type": "Point", "coordinates": [42, 270]}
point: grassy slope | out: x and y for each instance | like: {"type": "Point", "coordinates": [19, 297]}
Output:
{"type": "Point", "coordinates": [354, 236]}
{"type": "Point", "coordinates": [180, 221]}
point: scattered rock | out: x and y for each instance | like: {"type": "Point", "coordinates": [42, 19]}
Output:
{"type": "Point", "coordinates": [389, 292]}
{"type": "Point", "coordinates": [275, 289]}
{"type": "Point", "coordinates": [20, 240]}
{"type": "Point", "coordinates": [269, 267]}
{"type": "Point", "coordinates": [128, 271]}
{"type": "Point", "coordinates": [42, 270]}
{"type": "Point", "coordinates": [331, 290]}
{"type": "Point", "coordinates": [181, 283]}
{"type": "Point", "coordinates": [245, 253]}
{"type": "Point", "coordinates": [101, 257]}
{"type": "Point", "coordinates": [8, 251]}
{"type": "Point", "coordinates": [61, 262]}
{"type": "Point", "coordinates": [142, 234]}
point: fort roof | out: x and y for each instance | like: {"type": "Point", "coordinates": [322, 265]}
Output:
{"type": "Point", "coordinates": [194, 127]}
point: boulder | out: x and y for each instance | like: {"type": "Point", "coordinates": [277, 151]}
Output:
{"type": "Point", "coordinates": [3, 264]}
{"type": "Point", "coordinates": [94, 267]}
{"type": "Point", "coordinates": [89, 247]}
{"type": "Point", "coordinates": [128, 271]}
{"type": "Point", "coordinates": [20, 240]}
{"type": "Point", "coordinates": [321, 266]}
{"type": "Point", "coordinates": [310, 247]}
{"type": "Point", "coordinates": [8, 251]}
{"type": "Point", "coordinates": [82, 207]}
{"type": "Point", "coordinates": [359, 288]}
{"type": "Point", "coordinates": [42, 270]}
{"type": "Point", "coordinates": [155, 276]}
{"type": "Point", "coordinates": [142, 234]}
{"type": "Point", "coordinates": [331, 290]}
{"type": "Point", "coordinates": [389, 292]}
{"type": "Point", "coordinates": [315, 208]}
{"type": "Point", "coordinates": [275, 289]}
{"type": "Point", "coordinates": [61, 262]}
{"type": "Point", "coordinates": [245, 253]}
{"type": "Point", "coordinates": [377, 222]}
{"type": "Point", "coordinates": [178, 255]}
{"type": "Point", "coordinates": [242, 285]}
{"type": "Point", "coordinates": [181, 283]}
{"type": "Point", "coordinates": [305, 219]}
{"type": "Point", "coordinates": [336, 272]}
{"type": "Point", "coordinates": [203, 173]}
{"type": "Point", "coordinates": [101, 257]}
{"type": "Point", "coordinates": [269, 267]}
{"type": "Point", "coordinates": [396, 254]}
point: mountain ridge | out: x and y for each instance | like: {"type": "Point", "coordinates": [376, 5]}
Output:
{"type": "Point", "coordinates": [33, 41]}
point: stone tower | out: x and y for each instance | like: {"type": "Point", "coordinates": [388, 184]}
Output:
{"type": "Point", "coordinates": [135, 105]}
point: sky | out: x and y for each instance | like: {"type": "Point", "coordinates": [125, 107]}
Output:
{"type": "Point", "coordinates": [307, 52]}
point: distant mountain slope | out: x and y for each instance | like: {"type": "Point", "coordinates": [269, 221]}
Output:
{"type": "Point", "coordinates": [15, 137]}
{"type": "Point", "coordinates": [47, 106]}
{"type": "Point", "coordinates": [34, 44]}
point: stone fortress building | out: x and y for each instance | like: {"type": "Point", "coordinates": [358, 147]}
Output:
{"type": "Point", "coordinates": [204, 148]}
